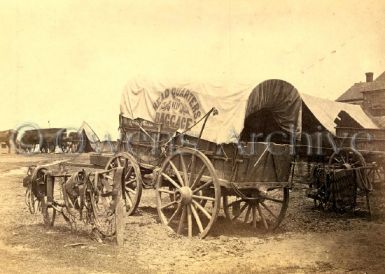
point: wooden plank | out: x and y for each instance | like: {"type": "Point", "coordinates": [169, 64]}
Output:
{"type": "Point", "coordinates": [119, 212]}
{"type": "Point", "coordinates": [82, 165]}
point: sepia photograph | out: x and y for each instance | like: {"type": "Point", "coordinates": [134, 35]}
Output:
{"type": "Point", "coordinates": [181, 136]}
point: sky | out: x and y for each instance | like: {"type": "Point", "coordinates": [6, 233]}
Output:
{"type": "Point", "coordinates": [67, 61]}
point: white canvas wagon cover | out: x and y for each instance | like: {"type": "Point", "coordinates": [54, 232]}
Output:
{"type": "Point", "coordinates": [270, 106]}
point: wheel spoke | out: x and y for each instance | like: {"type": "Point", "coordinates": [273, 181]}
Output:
{"type": "Point", "coordinates": [166, 191]}
{"type": "Point", "coordinates": [262, 217]}
{"type": "Point", "coordinates": [197, 219]}
{"type": "Point", "coordinates": [192, 168]}
{"type": "Point", "coordinates": [254, 216]}
{"type": "Point", "coordinates": [199, 176]}
{"type": "Point", "coordinates": [203, 186]}
{"type": "Point", "coordinates": [240, 211]}
{"type": "Point", "coordinates": [169, 204]}
{"type": "Point", "coordinates": [170, 180]}
{"type": "Point", "coordinates": [182, 183]}
{"type": "Point", "coordinates": [130, 181]}
{"type": "Point", "coordinates": [174, 214]}
{"type": "Point", "coordinates": [203, 198]}
{"type": "Point", "coordinates": [184, 169]}
{"type": "Point", "coordinates": [247, 213]}
{"type": "Point", "coordinates": [131, 190]}
{"type": "Point", "coordinates": [235, 202]}
{"type": "Point", "coordinates": [181, 221]}
{"type": "Point", "coordinates": [202, 209]}
{"type": "Point", "coordinates": [189, 221]}
{"type": "Point", "coordinates": [128, 174]}
{"type": "Point", "coordinates": [268, 210]}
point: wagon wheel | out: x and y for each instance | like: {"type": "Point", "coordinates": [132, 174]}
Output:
{"type": "Point", "coordinates": [132, 188]}
{"type": "Point", "coordinates": [182, 179]}
{"type": "Point", "coordinates": [103, 203]}
{"type": "Point", "coordinates": [39, 191]}
{"type": "Point", "coordinates": [264, 209]}
{"type": "Point", "coordinates": [49, 212]}
{"type": "Point", "coordinates": [38, 184]}
{"type": "Point", "coordinates": [347, 158]}
{"type": "Point", "coordinates": [31, 201]}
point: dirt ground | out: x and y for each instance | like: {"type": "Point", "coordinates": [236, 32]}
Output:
{"type": "Point", "coordinates": [308, 241]}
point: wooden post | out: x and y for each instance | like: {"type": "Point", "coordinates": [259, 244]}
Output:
{"type": "Point", "coordinates": [119, 212]}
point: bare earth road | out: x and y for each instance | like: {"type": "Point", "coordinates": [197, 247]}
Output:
{"type": "Point", "coordinates": [309, 241]}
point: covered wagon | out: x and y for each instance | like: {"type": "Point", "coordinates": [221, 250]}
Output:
{"type": "Point", "coordinates": [197, 144]}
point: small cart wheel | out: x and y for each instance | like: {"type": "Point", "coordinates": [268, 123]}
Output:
{"type": "Point", "coordinates": [103, 201]}
{"type": "Point", "coordinates": [39, 191]}
{"type": "Point", "coordinates": [38, 185]}
{"type": "Point", "coordinates": [31, 201]}
{"type": "Point", "coordinates": [264, 209]}
{"type": "Point", "coordinates": [188, 191]}
{"type": "Point", "coordinates": [347, 158]}
{"type": "Point", "coordinates": [49, 213]}
{"type": "Point", "coordinates": [132, 188]}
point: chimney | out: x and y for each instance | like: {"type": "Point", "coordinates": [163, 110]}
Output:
{"type": "Point", "coordinates": [369, 76]}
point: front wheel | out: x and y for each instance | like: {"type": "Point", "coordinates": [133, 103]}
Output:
{"type": "Point", "coordinates": [132, 186]}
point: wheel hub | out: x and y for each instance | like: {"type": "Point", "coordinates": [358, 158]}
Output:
{"type": "Point", "coordinates": [184, 195]}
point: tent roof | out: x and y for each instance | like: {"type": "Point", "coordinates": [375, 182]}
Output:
{"type": "Point", "coordinates": [326, 111]}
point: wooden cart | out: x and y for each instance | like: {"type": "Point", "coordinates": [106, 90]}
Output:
{"type": "Point", "coordinates": [192, 175]}
{"type": "Point", "coordinates": [354, 168]}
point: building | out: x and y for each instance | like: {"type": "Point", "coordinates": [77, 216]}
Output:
{"type": "Point", "coordinates": [370, 95]}
{"type": "Point", "coordinates": [363, 93]}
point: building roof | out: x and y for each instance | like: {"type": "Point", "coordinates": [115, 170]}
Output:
{"type": "Point", "coordinates": [354, 93]}
{"type": "Point", "coordinates": [381, 78]}
{"type": "Point", "coordinates": [379, 121]}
